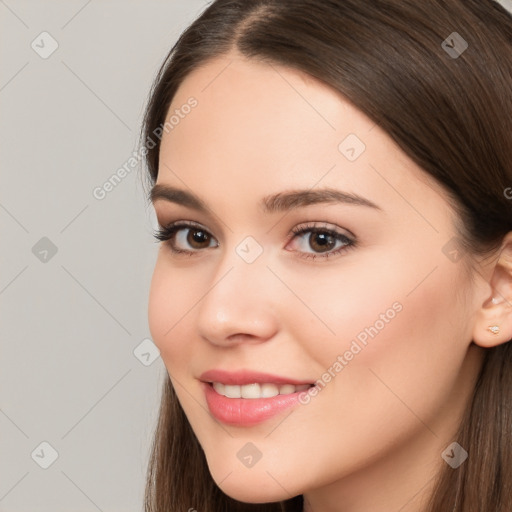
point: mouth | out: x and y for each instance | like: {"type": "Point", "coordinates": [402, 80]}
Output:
{"type": "Point", "coordinates": [247, 405]}
{"type": "Point", "coordinates": [257, 390]}
{"type": "Point", "coordinates": [245, 396]}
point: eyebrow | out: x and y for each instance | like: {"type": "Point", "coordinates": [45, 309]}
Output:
{"type": "Point", "coordinates": [280, 202]}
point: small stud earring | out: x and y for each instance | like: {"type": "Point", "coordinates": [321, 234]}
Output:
{"type": "Point", "coordinates": [494, 329]}
{"type": "Point", "coordinates": [496, 300]}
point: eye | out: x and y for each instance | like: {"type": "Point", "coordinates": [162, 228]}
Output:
{"type": "Point", "coordinates": [177, 232]}
{"type": "Point", "coordinates": [322, 239]}
{"type": "Point", "coordinates": [324, 242]}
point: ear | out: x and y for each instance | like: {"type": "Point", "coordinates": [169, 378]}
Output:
{"type": "Point", "coordinates": [495, 314]}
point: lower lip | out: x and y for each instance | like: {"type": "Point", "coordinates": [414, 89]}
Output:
{"type": "Point", "coordinates": [244, 412]}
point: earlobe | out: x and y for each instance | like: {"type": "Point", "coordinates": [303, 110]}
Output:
{"type": "Point", "coordinates": [493, 324]}
{"type": "Point", "coordinates": [495, 329]}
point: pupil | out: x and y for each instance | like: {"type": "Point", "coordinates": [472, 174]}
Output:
{"type": "Point", "coordinates": [325, 240]}
{"type": "Point", "coordinates": [199, 236]}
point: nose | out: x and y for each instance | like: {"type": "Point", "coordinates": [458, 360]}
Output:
{"type": "Point", "coordinates": [239, 305]}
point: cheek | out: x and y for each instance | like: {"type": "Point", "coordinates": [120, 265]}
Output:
{"type": "Point", "coordinates": [168, 304]}
{"type": "Point", "coordinates": [388, 336]}
{"type": "Point", "coordinates": [349, 310]}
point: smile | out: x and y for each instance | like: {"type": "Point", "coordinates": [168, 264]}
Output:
{"type": "Point", "coordinates": [250, 404]}
{"type": "Point", "coordinates": [257, 390]}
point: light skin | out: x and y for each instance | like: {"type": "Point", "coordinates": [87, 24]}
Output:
{"type": "Point", "coordinates": [373, 436]}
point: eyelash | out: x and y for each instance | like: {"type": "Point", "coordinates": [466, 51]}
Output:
{"type": "Point", "coordinates": [166, 233]}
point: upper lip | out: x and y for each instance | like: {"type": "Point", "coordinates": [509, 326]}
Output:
{"type": "Point", "coordinates": [242, 377]}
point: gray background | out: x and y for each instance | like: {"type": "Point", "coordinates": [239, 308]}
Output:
{"type": "Point", "coordinates": [71, 321]}
{"type": "Point", "coordinates": [70, 324]}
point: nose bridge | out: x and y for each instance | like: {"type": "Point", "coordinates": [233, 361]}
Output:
{"type": "Point", "coordinates": [237, 299]}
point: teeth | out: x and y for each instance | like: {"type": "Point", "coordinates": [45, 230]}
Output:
{"type": "Point", "coordinates": [268, 390]}
{"type": "Point", "coordinates": [257, 390]}
{"type": "Point", "coordinates": [232, 391]}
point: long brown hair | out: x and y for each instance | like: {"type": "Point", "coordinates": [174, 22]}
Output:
{"type": "Point", "coordinates": [449, 112]}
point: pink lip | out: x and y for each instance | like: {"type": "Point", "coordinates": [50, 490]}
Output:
{"type": "Point", "coordinates": [245, 412]}
{"type": "Point", "coordinates": [242, 377]}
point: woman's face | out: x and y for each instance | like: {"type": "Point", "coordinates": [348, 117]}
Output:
{"type": "Point", "coordinates": [380, 303]}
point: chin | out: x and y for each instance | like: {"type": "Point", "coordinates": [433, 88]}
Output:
{"type": "Point", "coordinates": [253, 489]}
{"type": "Point", "coordinates": [248, 495]}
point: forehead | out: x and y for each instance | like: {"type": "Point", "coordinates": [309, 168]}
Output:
{"type": "Point", "coordinates": [265, 127]}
